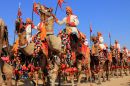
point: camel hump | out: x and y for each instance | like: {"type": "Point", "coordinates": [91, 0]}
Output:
{"type": "Point", "coordinates": [1, 19]}
{"type": "Point", "coordinates": [2, 22]}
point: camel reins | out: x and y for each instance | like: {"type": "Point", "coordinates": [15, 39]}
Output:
{"type": "Point", "coordinates": [21, 33]}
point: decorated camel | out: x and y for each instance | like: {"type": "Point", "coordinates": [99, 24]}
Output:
{"type": "Point", "coordinates": [4, 67]}
{"type": "Point", "coordinates": [83, 63]}
{"type": "Point", "coordinates": [55, 45]}
{"type": "Point", "coordinates": [99, 60]}
{"type": "Point", "coordinates": [29, 49]}
{"type": "Point", "coordinates": [116, 61]}
{"type": "Point", "coordinates": [64, 54]}
{"type": "Point", "coordinates": [124, 62]}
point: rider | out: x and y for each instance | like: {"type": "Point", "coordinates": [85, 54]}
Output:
{"type": "Point", "coordinates": [41, 28]}
{"type": "Point", "coordinates": [125, 50]}
{"type": "Point", "coordinates": [100, 41]}
{"type": "Point", "coordinates": [71, 21]}
{"type": "Point", "coordinates": [117, 45]}
{"type": "Point", "coordinates": [15, 46]}
{"type": "Point", "coordinates": [28, 29]}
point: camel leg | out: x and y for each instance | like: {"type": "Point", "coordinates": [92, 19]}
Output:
{"type": "Point", "coordinates": [54, 75]}
{"type": "Point", "coordinates": [104, 73]}
{"type": "Point", "coordinates": [59, 75]}
{"type": "Point", "coordinates": [117, 72]}
{"type": "Point", "coordinates": [43, 68]}
{"type": "Point", "coordinates": [113, 71]}
{"type": "Point", "coordinates": [129, 68]}
{"type": "Point", "coordinates": [126, 71]}
{"type": "Point", "coordinates": [72, 79]}
{"type": "Point", "coordinates": [108, 71]}
{"type": "Point", "coordinates": [8, 71]}
{"type": "Point", "coordinates": [65, 77]}
{"type": "Point", "coordinates": [87, 75]}
{"type": "Point", "coordinates": [1, 79]}
{"type": "Point", "coordinates": [90, 75]}
{"type": "Point", "coordinates": [99, 75]}
{"type": "Point", "coordinates": [79, 76]}
{"type": "Point", "coordinates": [36, 77]}
{"type": "Point", "coordinates": [121, 70]}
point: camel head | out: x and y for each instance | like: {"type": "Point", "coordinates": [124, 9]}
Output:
{"type": "Point", "coordinates": [40, 8]}
{"type": "Point", "coordinates": [94, 39]}
{"type": "Point", "coordinates": [20, 28]}
{"type": "Point", "coordinates": [48, 11]}
{"type": "Point", "coordinates": [111, 47]}
{"type": "Point", "coordinates": [19, 25]}
{"type": "Point", "coordinates": [5, 31]}
{"type": "Point", "coordinates": [44, 10]}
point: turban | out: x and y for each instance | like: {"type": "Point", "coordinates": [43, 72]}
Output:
{"type": "Point", "coordinates": [98, 32]}
{"type": "Point", "coordinates": [68, 8]}
{"type": "Point", "coordinates": [124, 47]}
{"type": "Point", "coordinates": [116, 41]}
{"type": "Point", "coordinates": [29, 20]}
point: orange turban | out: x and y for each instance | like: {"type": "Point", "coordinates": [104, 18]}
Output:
{"type": "Point", "coordinates": [98, 32]}
{"type": "Point", "coordinates": [29, 20]}
{"type": "Point", "coordinates": [124, 47]}
{"type": "Point", "coordinates": [116, 41]}
{"type": "Point", "coordinates": [68, 8]}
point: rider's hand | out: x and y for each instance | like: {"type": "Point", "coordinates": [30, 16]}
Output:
{"type": "Point", "coordinates": [32, 23]}
{"type": "Point", "coordinates": [15, 31]}
{"type": "Point", "coordinates": [68, 23]}
{"type": "Point", "coordinates": [54, 16]}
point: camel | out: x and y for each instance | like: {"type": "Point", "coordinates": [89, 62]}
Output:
{"type": "Point", "coordinates": [49, 20]}
{"type": "Point", "coordinates": [6, 68]}
{"type": "Point", "coordinates": [28, 48]}
{"type": "Point", "coordinates": [83, 59]}
{"type": "Point", "coordinates": [124, 62]}
{"type": "Point", "coordinates": [100, 60]}
{"type": "Point", "coordinates": [116, 61]}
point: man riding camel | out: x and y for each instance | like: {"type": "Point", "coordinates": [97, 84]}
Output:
{"type": "Point", "coordinates": [71, 21]}
{"type": "Point", "coordinates": [28, 33]}
{"type": "Point", "coordinates": [41, 28]}
{"type": "Point", "coordinates": [125, 50]}
{"type": "Point", "coordinates": [117, 45]}
{"type": "Point", "coordinates": [100, 41]}
{"type": "Point", "coordinates": [28, 29]}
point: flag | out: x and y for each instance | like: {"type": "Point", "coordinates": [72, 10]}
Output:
{"type": "Point", "coordinates": [59, 3]}
{"type": "Point", "coordinates": [59, 29]}
{"type": "Point", "coordinates": [109, 34]}
{"type": "Point", "coordinates": [19, 12]}
{"type": "Point", "coordinates": [34, 9]}
{"type": "Point", "coordinates": [90, 28]}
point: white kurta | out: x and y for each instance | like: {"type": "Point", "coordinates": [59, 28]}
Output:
{"type": "Point", "coordinates": [100, 41]}
{"type": "Point", "coordinates": [117, 46]}
{"type": "Point", "coordinates": [125, 51]}
{"type": "Point", "coordinates": [74, 22]}
{"type": "Point", "coordinates": [28, 32]}
{"type": "Point", "coordinates": [86, 42]}
{"type": "Point", "coordinates": [38, 26]}
{"type": "Point", "coordinates": [128, 54]}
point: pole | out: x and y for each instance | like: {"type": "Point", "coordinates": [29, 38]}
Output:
{"type": "Point", "coordinates": [15, 27]}
{"type": "Point", "coordinates": [56, 7]}
{"type": "Point", "coordinates": [90, 38]}
{"type": "Point", "coordinates": [32, 18]}
{"type": "Point", "coordinates": [110, 40]}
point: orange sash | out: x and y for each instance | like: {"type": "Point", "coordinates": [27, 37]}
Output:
{"type": "Point", "coordinates": [43, 31]}
{"type": "Point", "coordinates": [15, 46]}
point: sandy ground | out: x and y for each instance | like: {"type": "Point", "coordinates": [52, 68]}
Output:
{"type": "Point", "coordinates": [120, 81]}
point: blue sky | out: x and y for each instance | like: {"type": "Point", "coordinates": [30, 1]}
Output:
{"type": "Point", "coordinates": [104, 15]}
